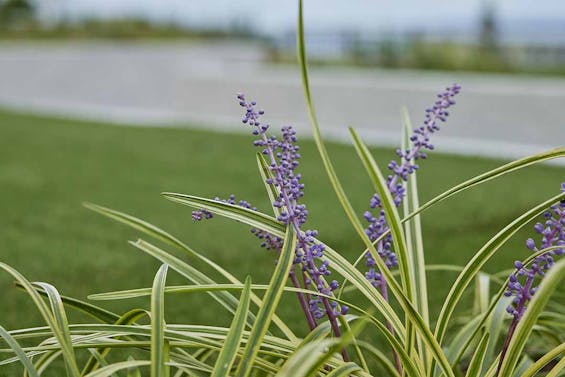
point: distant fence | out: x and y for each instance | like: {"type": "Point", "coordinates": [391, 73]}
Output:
{"type": "Point", "coordinates": [340, 44]}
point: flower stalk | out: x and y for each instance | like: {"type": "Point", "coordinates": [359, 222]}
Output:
{"type": "Point", "coordinates": [283, 159]}
{"type": "Point", "coordinates": [552, 233]}
{"type": "Point", "coordinates": [395, 182]}
{"type": "Point", "coordinates": [283, 156]}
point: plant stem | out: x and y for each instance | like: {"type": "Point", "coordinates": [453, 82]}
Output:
{"type": "Point", "coordinates": [317, 279]}
{"type": "Point", "coordinates": [303, 304]}
{"type": "Point", "coordinates": [520, 308]}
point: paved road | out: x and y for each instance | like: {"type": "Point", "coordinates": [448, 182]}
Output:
{"type": "Point", "coordinates": [179, 84]}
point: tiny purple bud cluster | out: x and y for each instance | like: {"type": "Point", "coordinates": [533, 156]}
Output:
{"type": "Point", "coordinates": [521, 284]}
{"type": "Point", "coordinates": [268, 241]}
{"type": "Point", "coordinates": [400, 171]}
{"type": "Point", "coordinates": [201, 214]}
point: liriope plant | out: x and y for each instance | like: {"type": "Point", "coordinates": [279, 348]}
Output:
{"type": "Point", "coordinates": [389, 276]}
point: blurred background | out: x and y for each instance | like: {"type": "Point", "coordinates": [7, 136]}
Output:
{"type": "Point", "coordinates": [74, 72]}
{"type": "Point", "coordinates": [160, 63]}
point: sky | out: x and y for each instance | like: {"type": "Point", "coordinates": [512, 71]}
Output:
{"type": "Point", "coordinates": [272, 16]}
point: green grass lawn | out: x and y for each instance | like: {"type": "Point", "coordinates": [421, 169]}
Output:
{"type": "Point", "coordinates": [48, 167]}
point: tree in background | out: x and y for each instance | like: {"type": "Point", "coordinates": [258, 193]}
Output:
{"type": "Point", "coordinates": [15, 14]}
{"type": "Point", "coordinates": [488, 37]}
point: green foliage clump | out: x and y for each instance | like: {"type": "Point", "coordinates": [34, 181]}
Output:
{"type": "Point", "coordinates": [259, 341]}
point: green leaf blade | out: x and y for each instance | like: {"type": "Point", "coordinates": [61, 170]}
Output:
{"type": "Point", "coordinates": [20, 353]}
{"type": "Point", "coordinates": [224, 298]}
{"type": "Point", "coordinates": [476, 364]}
{"type": "Point", "coordinates": [270, 302]}
{"type": "Point", "coordinates": [158, 347]}
{"type": "Point", "coordinates": [480, 258]}
{"type": "Point", "coordinates": [231, 345]}
{"type": "Point", "coordinates": [548, 285]}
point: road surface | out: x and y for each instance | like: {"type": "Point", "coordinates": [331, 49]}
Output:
{"type": "Point", "coordinates": [182, 84]}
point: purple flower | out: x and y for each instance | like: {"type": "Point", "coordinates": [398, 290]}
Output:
{"type": "Point", "coordinates": [522, 284]}
{"type": "Point", "coordinates": [400, 170]}
{"type": "Point", "coordinates": [283, 157]}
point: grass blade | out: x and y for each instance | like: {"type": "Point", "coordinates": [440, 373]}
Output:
{"type": "Point", "coordinates": [127, 319]}
{"type": "Point", "coordinates": [330, 171]}
{"type": "Point", "coordinates": [46, 360]}
{"type": "Point", "coordinates": [318, 333]}
{"type": "Point", "coordinates": [338, 263]}
{"type": "Point", "coordinates": [270, 302]}
{"type": "Point", "coordinates": [101, 360]}
{"type": "Point", "coordinates": [190, 273]}
{"type": "Point", "coordinates": [404, 294]}
{"type": "Point", "coordinates": [380, 358]}
{"type": "Point", "coordinates": [225, 298]}
{"type": "Point", "coordinates": [492, 174]}
{"type": "Point", "coordinates": [28, 365]}
{"type": "Point", "coordinates": [475, 264]}
{"type": "Point", "coordinates": [476, 364]}
{"type": "Point", "coordinates": [522, 366]}
{"type": "Point", "coordinates": [344, 268]}
{"type": "Point", "coordinates": [497, 303]}
{"type": "Point", "coordinates": [345, 370]}
{"type": "Point", "coordinates": [482, 290]}
{"type": "Point", "coordinates": [549, 284]}
{"type": "Point", "coordinates": [405, 265]}
{"type": "Point", "coordinates": [495, 328]}
{"type": "Point", "coordinates": [460, 339]}
{"type": "Point", "coordinates": [557, 369]}
{"type": "Point", "coordinates": [62, 323]}
{"type": "Point", "coordinates": [544, 360]}
{"type": "Point", "coordinates": [269, 224]}
{"type": "Point", "coordinates": [480, 258]}
{"type": "Point", "coordinates": [307, 360]}
{"type": "Point", "coordinates": [158, 348]}
{"type": "Point", "coordinates": [311, 357]}
{"type": "Point", "coordinates": [231, 345]}
{"type": "Point", "coordinates": [235, 212]}
{"type": "Point", "coordinates": [391, 213]}
{"type": "Point", "coordinates": [266, 173]}
{"type": "Point", "coordinates": [72, 368]}
{"type": "Point", "coordinates": [328, 166]}
{"type": "Point", "coordinates": [414, 237]}
{"type": "Point", "coordinates": [116, 367]}
{"type": "Point", "coordinates": [354, 343]}
{"type": "Point", "coordinates": [96, 312]}
{"type": "Point", "coordinates": [133, 371]}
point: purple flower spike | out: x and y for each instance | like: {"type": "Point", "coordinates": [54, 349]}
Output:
{"type": "Point", "coordinates": [522, 284]}
{"type": "Point", "coordinates": [400, 170]}
{"type": "Point", "coordinates": [284, 158]}
{"type": "Point", "coordinates": [553, 234]}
